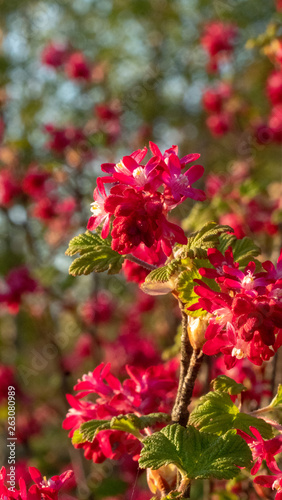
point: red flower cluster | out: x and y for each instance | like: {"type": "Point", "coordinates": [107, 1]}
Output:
{"type": "Point", "coordinates": [273, 482]}
{"type": "Point", "coordinates": [265, 450]}
{"type": "Point", "coordinates": [218, 39]}
{"type": "Point", "coordinates": [43, 489]}
{"type": "Point", "coordinates": [145, 391]}
{"type": "Point", "coordinates": [138, 209]}
{"type": "Point", "coordinates": [246, 315]}
{"type": "Point", "coordinates": [75, 64]}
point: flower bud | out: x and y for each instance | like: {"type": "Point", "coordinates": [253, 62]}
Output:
{"type": "Point", "coordinates": [162, 480]}
{"type": "Point", "coordinates": [196, 330]}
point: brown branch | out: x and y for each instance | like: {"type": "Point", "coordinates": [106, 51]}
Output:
{"type": "Point", "coordinates": [180, 410]}
{"type": "Point", "coordinates": [186, 353]}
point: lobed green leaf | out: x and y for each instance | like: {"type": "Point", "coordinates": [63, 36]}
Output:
{"type": "Point", "coordinates": [227, 384]}
{"type": "Point", "coordinates": [130, 423]}
{"type": "Point", "coordinates": [244, 250]}
{"type": "Point", "coordinates": [216, 413]}
{"type": "Point", "coordinates": [197, 455]}
{"type": "Point", "coordinates": [199, 242]}
{"type": "Point", "coordinates": [96, 255]}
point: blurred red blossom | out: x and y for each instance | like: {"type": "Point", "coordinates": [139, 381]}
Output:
{"type": "Point", "coordinates": [218, 39]}
{"type": "Point", "coordinates": [54, 54]}
{"type": "Point", "coordinates": [77, 67]}
{"type": "Point", "coordinates": [17, 283]}
{"type": "Point", "coordinates": [35, 182]}
{"type": "Point", "coordinates": [9, 187]}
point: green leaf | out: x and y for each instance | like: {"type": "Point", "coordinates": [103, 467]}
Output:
{"type": "Point", "coordinates": [227, 384]}
{"type": "Point", "coordinates": [244, 250]}
{"type": "Point", "coordinates": [90, 429]}
{"type": "Point", "coordinates": [216, 413]}
{"type": "Point", "coordinates": [163, 274]}
{"type": "Point", "coordinates": [128, 423]}
{"type": "Point", "coordinates": [199, 242]}
{"type": "Point", "coordinates": [96, 255]}
{"type": "Point", "coordinates": [197, 455]}
{"type": "Point", "coordinates": [77, 437]}
{"type": "Point", "coordinates": [185, 289]}
{"type": "Point", "coordinates": [277, 400]}
{"type": "Point", "coordinates": [83, 243]}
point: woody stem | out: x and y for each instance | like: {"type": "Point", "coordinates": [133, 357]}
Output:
{"type": "Point", "coordinates": [190, 363]}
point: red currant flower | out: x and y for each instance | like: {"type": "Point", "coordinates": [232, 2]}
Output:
{"type": "Point", "coordinates": [48, 488]}
{"type": "Point", "coordinates": [180, 184]}
{"type": "Point", "coordinates": [273, 482]}
{"type": "Point", "coordinates": [100, 215]}
{"type": "Point", "coordinates": [262, 450]}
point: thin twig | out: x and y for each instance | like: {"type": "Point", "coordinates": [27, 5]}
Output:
{"type": "Point", "coordinates": [140, 262]}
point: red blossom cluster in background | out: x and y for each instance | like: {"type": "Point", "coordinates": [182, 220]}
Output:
{"type": "Point", "coordinates": [74, 63]}
{"type": "Point", "coordinates": [215, 102]}
{"type": "Point", "coordinates": [218, 39]}
{"type": "Point", "coordinates": [248, 215]}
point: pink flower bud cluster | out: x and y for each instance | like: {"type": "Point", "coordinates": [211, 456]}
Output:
{"type": "Point", "coordinates": [137, 209]}
{"type": "Point", "coordinates": [246, 314]}
{"type": "Point", "coordinates": [143, 392]}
